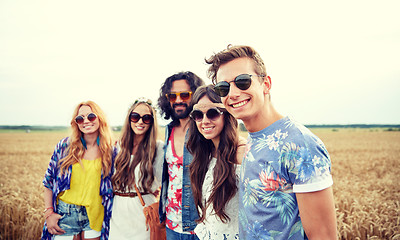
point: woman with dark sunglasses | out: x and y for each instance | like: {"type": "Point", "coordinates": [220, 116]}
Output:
{"type": "Point", "coordinates": [217, 152]}
{"type": "Point", "coordinates": [78, 192]}
{"type": "Point", "coordinates": [139, 162]}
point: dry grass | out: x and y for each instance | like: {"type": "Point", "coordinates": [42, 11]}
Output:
{"type": "Point", "coordinates": [365, 168]}
{"type": "Point", "coordinates": [24, 159]}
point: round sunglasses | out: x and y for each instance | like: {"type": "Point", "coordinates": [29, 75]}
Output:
{"type": "Point", "coordinates": [185, 95]}
{"type": "Point", "coordinates": [212, 114]}
{"type": "Point", "coordinates": [147, 118]}
{"type": "Point", "coordinates": [80, 119]}
{"type": "Point", "coordinates": [243, 82]}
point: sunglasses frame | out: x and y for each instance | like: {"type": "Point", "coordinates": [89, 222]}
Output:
{"type": "Point", "coordinates": [142, 117]}
{"type": "Point", "coordinates": [220, 113]}
{"type": "Point", "coordinates": [178, 94]}
{"type": "Point", "coordinates": [236, 80]}
{"type": "Point", "coordinates": [82, 118]}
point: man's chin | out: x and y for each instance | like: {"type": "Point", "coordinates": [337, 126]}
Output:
{"type": "Point", "coordinates": [181, 115]}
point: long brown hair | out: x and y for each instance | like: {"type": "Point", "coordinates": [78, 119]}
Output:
{"type": "Point", "coordinates": [124, 176]}
{"type": "Point", "coordinates": [202, 149]}
{"type": "Point", "coordinates": [76, 148]}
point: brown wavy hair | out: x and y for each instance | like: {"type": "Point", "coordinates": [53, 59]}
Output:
{"type": "Point", "coordinates": [231, 53]}
{"type": "Point", "coordinates": [202, 149]}
{"type": "Point", "coordinates": [76, 149]}
{"type": "Point", "coordinates": [124, 176]}
{"type": "Point", "coordinates": [164, 105]}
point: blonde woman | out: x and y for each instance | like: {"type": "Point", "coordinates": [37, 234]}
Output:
{"type": "Point", "coordinates": [139, 162]}
{"type": "Point", "coordinates": [78, 190]}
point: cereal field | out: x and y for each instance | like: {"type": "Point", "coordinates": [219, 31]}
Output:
{"type": "Point", "coordinates": [365, 168]}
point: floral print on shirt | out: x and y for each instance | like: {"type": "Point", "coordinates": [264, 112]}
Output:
{"type": "Point", "coordinates": [174, 200]}
{"type": "Point", "coordinates": [283, 159]}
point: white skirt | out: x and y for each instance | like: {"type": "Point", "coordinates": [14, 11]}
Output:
{"type": "Point", "coordinates": [127, 219]}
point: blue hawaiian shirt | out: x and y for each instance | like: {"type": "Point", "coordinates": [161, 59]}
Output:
{"type": "Point", "coordinates": [281, 160]}
{"type": "Point", "coordinates": [53, 181]}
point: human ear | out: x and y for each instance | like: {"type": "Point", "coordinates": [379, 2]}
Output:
{"type": "Point", "coordinates": [267, 84]}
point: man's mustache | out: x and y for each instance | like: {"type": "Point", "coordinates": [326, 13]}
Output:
{"type": "Point", "coordinates": [179, 104]}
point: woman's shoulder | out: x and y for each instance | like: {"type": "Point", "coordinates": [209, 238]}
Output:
{"type": "Point", "coordinates": [242, 141]}
{"type": "Point", "coordinates": [63, 143]}
{"type": "Point", "coordinates": [160, 144]}
{"type": "Point", "coordinates": [61, 149]}
{"type": "Point", "coordinates": [160, 149]}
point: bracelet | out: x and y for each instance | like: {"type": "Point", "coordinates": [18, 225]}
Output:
{"type": "Point", "coordinates": [45, 210]}
{"type": "Point", "coordinates": [48, 214]}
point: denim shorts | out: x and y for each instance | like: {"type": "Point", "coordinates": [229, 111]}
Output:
{"type": "Point", "coordinates": [74, 218]}
{"type": "Point", "coordinates": [172, 235]}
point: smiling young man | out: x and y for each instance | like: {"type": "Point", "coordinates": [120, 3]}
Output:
{"type": "Point", "coordinates": [285, 191]}
{"type": "Point", "coordinates": [177, 205]}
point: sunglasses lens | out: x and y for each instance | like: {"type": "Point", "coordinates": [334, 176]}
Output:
{"type": "Point", "coordinates": [197, 115]}
{"type": "Point", "coordinates": [135, 117]}
{"type": "Point", "coordinates": [172, 97]}
{"type": "Point", "coordinates": [91, 117]}
{"type": "Point", "coordinates": [79, 119]}
{"type": "Point", "coordinates": [147, 119]}
{"type": "Point", "coordinates": [243, 82]}
{"type": "Point", "coordinates": [185, 95]}
{"type": "Point", "coordinates": [222, 89]}
{"type": "Point", "coordinates": [212, 114]}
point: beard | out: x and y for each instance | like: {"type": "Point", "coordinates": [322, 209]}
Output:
{"type": "Point", "coordinates": [180, 114]}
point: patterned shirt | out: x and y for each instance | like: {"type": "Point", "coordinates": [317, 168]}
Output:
{"type": "Point", "coordinates": [56, 183]}
{"type": "Point", "coordinates": [174, 201]}
{"type": "Point", "coordinates": [189, 211]}
{"type": "Point", "coordinates": [281, 160]}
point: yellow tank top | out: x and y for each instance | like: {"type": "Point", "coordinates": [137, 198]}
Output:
{"type": "Point", "coordinates": [85, 190]}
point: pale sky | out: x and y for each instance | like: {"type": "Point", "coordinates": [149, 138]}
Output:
{"type": "Point", "coordinates": [334, 62]}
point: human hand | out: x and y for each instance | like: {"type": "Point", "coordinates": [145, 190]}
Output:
{"type": "Point", "coordinates": [52, 224]}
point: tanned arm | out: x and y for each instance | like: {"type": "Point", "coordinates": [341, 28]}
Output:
{"type": "Point", "coordinates": [317, 213]}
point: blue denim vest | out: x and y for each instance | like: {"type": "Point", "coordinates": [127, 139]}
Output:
{"type": "Point", "coordinates": [189, 211]}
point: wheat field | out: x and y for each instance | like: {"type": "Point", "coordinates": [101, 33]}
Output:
{"type": "Point", "coordinates": [365, 169]}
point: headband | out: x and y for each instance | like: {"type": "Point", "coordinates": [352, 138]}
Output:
{"type": "Point", "coordinates": [143, 100]}
{"type": "Point", "coordinates": [208, 106]}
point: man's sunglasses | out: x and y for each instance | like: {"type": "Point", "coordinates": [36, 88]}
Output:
{"type": "Point", "coordinates": [147, 118]}
{"type": "Point", "coordinates": [212, 114]}
{"type": "Point", "coordinates": [243, 82]}
{"type": "Point", "coordinates": [183, 95]}
{"type": "Point", "coordinates": [80, 119]}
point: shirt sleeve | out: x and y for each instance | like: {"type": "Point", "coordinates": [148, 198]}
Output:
{"type": "Point", "coordinates": [313, 167]}
{"type": "Point", "coordinates": [52, 171]}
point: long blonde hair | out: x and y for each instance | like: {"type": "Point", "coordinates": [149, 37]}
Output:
{"type": "Point", "coordinates": [124, 176]}
{"type": "Point", "coordinates": [76, 149]}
